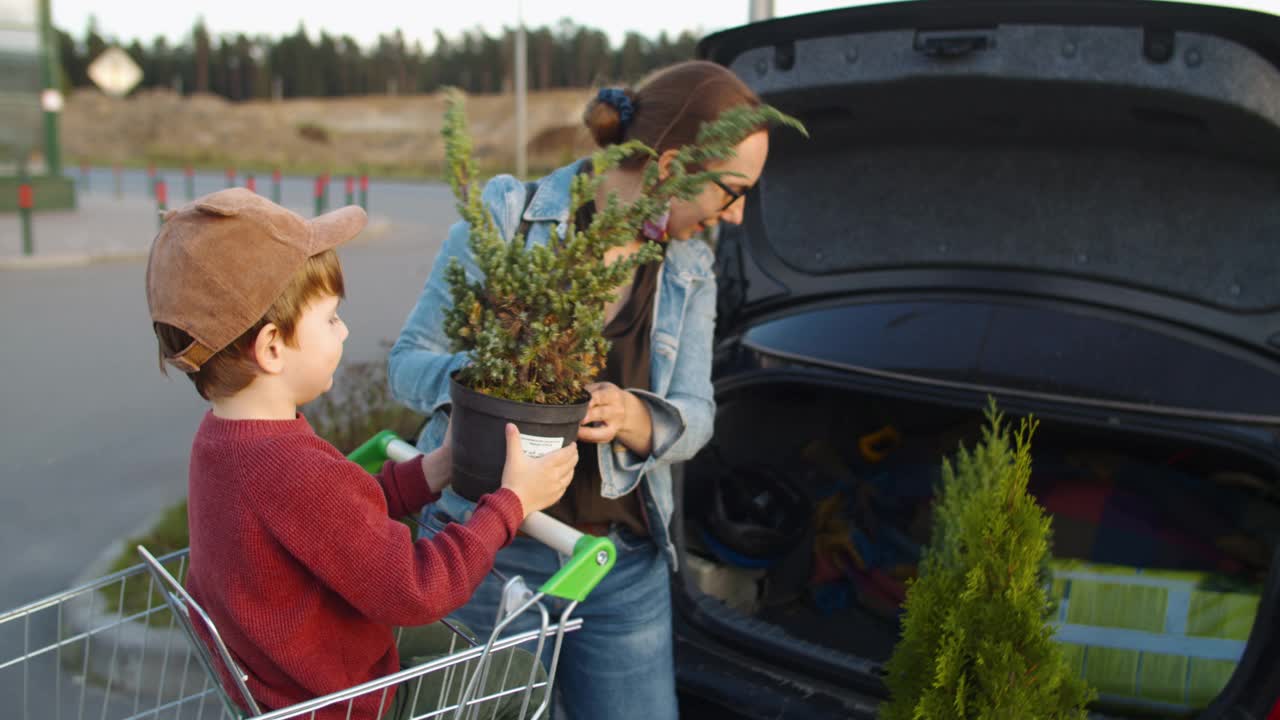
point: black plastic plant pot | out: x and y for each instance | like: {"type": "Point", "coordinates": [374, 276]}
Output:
{"type": "Point", "coordinates": [480, 441]}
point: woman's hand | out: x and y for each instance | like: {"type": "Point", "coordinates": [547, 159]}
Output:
{"type": "Point", "coordinates": [615, 414]}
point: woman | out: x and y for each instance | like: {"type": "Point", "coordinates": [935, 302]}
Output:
{"type": "Point", "coordinates": [651, 407]}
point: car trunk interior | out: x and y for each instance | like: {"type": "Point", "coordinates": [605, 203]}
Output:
{"type": "Point", "coordinates": [807, 513]}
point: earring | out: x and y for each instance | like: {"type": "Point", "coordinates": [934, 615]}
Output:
{"type": "Point", "coordinates": [656, 229]}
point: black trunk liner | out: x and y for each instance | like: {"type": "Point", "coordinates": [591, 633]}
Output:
{"type": "Point", "coordinates": [1117, 503]}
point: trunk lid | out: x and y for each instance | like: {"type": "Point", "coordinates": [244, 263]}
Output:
{"type": "Point", "coordinates": [1115, 156]}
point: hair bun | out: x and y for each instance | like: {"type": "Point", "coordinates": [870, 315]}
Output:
{"type": "Point", "coordinates": [608, 115]}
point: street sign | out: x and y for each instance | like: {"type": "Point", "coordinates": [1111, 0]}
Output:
{"type": "Point", "coordinates": [115, 72]}
{"type": "Point", "coordinates": [51, 100]}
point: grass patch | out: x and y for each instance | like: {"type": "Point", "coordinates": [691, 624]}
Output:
{"type": "Point", "coordinates": [358, 407]}
{"type": "Point", "coordinates": [314, 132]}
{"type": "Point", "coordinates": [139, 594]}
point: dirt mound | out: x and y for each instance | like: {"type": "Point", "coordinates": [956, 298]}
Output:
{"type": "Point", "coordinates": [388, 135]}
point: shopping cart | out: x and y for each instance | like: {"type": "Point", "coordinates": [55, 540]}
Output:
{"type": "Point", "coordinates": [81, 654]}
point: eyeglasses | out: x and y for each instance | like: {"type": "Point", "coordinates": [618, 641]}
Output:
{"type": "Point", "coordinates": [734, 195]}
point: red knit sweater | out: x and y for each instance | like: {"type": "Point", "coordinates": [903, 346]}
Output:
{"type": "Point", "coordinates": [297, 558]}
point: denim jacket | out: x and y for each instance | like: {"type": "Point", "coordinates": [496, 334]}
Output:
{"type": "Point", "coordinates": [679, 396]}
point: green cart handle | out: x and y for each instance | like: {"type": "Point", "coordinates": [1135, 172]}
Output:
{"type": "Point", "coordinates": [590, 557]}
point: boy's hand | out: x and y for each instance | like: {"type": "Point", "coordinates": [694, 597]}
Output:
{"type": "Point", "coordinates": [438, 464]}
{"type": "Point", "coordinates": [538, 482]}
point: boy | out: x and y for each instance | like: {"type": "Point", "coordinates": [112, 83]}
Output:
{"type": "Point", "coordinates": [295, 552]}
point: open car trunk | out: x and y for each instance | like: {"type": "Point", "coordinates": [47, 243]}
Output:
{"type": "Point", "coordinates": [807, 513]}
{"type": "Point", "coordinates": [1072, 206]}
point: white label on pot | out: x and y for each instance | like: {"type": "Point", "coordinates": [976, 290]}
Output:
{"type": "Point", "coordinates": [536, 446]}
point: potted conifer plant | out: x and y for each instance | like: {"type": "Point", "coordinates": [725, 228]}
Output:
{"type": "Point", "coordinates": [533, 323]}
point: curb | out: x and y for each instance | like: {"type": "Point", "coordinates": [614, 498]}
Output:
{"type": "Point", "coordinates": [44, 262]}
{"type": "Point", "coordinates": [158, 662]}
{"type": "Point", "coordinates": [375, 230]}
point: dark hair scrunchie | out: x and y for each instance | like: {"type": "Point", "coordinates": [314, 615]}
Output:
{"type": "Point", "coordinates": [618, 100]}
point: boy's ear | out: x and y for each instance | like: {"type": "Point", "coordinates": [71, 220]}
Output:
{"type": "Point", "coordinates": [268, 349]}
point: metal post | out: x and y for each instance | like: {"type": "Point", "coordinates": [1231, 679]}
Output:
{"type": "Point", "coordinates": [761, 10]}
{"type": "Point", "coordinates": [522, 76]}
{"type": "Point", "coordinates": [189, 182]}
{"type": "Point", "coordinates": [49, 48]}
{"type": "Point", "coordinates": [275, 185]}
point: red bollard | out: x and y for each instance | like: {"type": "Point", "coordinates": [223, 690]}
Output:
{"type": "Point", "coordinates": [251, 183]}
{"type": "Point", "coordinates": [364, 192]}
{"type": "Point", "coordinates": [350, 187]}
{"type": "Point", "coordinates": [151, 177]}
{"type": "Point", "coordinates": [275, 185]}
{"type": "Point", "coordinates": [162, 201]}
{"type": "Point", "coordinates": [231, 177]}
{"type": "Point", "coordinates": [26, 201]}
{"type": "Point", "coordinates": [189, 182]}
{"type": "Point", "coordinates": [320, 183]}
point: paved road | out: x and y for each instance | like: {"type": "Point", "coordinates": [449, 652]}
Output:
{"type": "Point", "coordinates": [93, 439]}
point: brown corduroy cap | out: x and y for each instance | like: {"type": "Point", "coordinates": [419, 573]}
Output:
{"type": "Point", "coordinates": [219, 263]}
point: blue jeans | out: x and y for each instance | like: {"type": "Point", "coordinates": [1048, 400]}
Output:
{"type": "Point", "coordinates": [620, 664]}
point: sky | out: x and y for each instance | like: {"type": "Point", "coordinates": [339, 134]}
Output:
{"type": "Point", "coordinates": [144, 19]}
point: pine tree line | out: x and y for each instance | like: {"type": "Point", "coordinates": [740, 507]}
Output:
{"type": "Point", "coordinates": [239, 67]}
